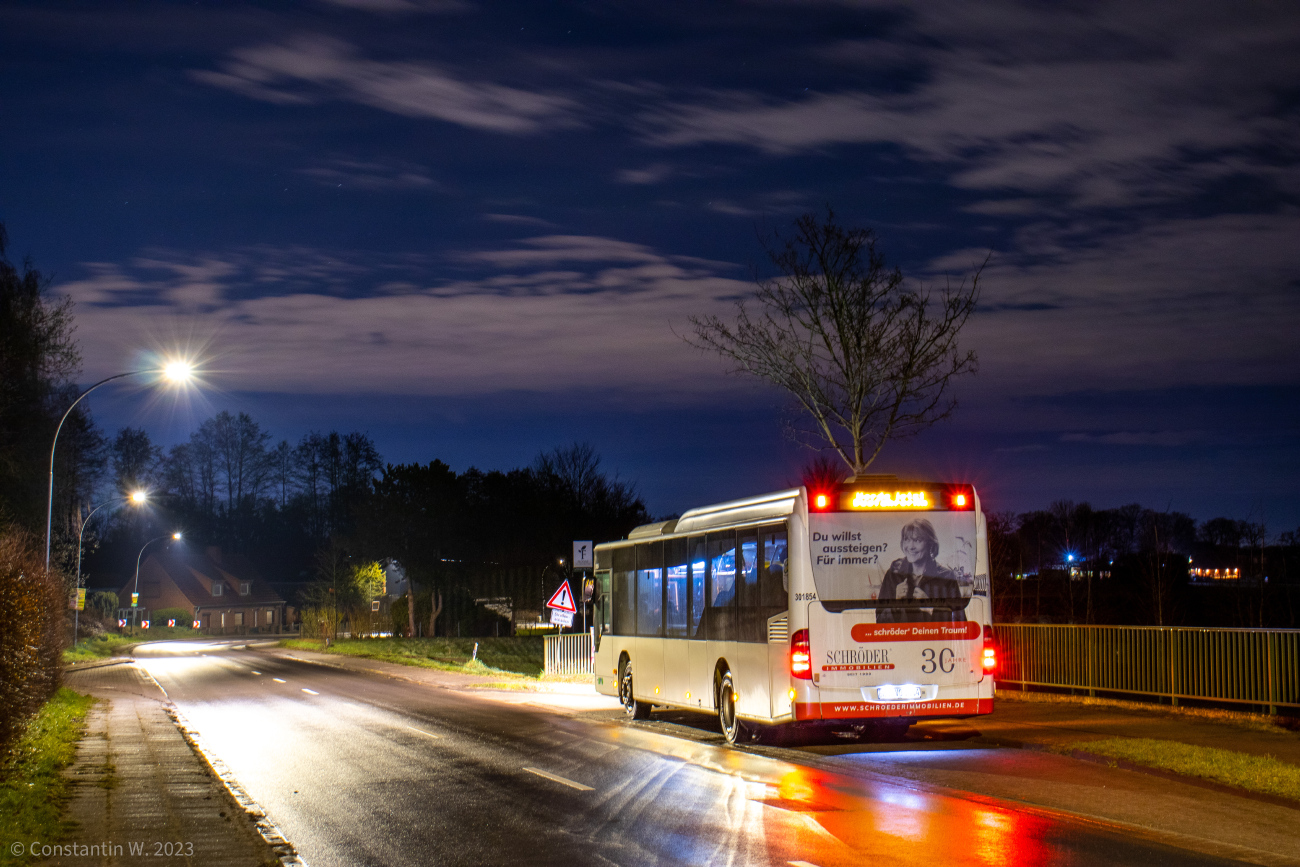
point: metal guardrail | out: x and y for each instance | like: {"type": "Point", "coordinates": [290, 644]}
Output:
{"type": "Point", "coordinates": [568, 654]}
{"type": "Point", "coordinates": [1240, 666]}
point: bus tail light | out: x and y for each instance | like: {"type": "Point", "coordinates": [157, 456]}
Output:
{"type": "Point", "coordinates": [800, 655]}
{"type": "Point", "coordinates": [990, 656]}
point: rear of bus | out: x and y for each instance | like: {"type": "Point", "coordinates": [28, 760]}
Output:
{"type": "Point", "coordinates": [896, 619]}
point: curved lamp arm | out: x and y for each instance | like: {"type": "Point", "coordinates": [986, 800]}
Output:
{"type": "Point", "coordinates": [49, 503]}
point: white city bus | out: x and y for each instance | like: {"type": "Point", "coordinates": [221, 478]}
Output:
{"type": "Point", "coordinates": [860, 608]}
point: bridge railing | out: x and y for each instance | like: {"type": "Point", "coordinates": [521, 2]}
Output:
{"type": "Point", "coordinates": [1239, 666]}
{"type": "Point", "coordinates": [568, 654]}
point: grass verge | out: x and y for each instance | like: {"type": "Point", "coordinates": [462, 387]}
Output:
{"type": "Point", "coordinates": [32, 792]}
{"type": "Point", "coordinates": [521, 655]}
{"type": "Point", "coordinates": [1253, 721]}
{"type": "Point", "coordinates": [1263, 774]}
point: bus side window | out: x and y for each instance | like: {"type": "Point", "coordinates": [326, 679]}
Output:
{"type": "Point", "coordinates": [676, 589]}
{"type": "Point", "coordinates": [624, 592]}
{"type": "Point", "coordinates": [699, 567]}
{"type": "Point", "coordinates": [650, 589]}
{"type": "Point", "coordinates": [751, 624]}
{"type": "Point", "coordinates": [720, 615]}
{"type": "Point", "coordinates": [773, 582]}
{"type": "Point", "coordinates": [603, 605]}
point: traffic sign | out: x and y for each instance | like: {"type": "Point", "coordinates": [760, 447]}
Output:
{"type": "Point", "coordinates": [582, 553]}
{"type": "Point", "coordinates": [562, 600]}
{"type": "Point", "coordinates": [561, 618]}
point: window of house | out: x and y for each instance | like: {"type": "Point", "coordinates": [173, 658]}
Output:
{"type": "Point", "coordinates": [217, 587]}
{"type": "Point", "coordinates": [245, 587]}
{"type": "Point", "coordinates": [268, 617]}
{"type": "Point", "coordinates": [239, 618]}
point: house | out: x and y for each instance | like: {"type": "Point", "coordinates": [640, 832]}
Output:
{"type": "Point", "coordinates": [221, 591]}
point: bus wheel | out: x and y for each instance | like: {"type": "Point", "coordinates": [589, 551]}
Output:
{"type": "Point", "coordinates": [732, 728]}
{"type": "Point", "coordinates": [635, 709]}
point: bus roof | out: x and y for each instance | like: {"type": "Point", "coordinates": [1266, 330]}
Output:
{"type": "Point", "coordinates": [764, 507]}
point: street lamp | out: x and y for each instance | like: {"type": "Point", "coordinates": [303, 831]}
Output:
{"type": "Point", "coordinates": [136, 497]}
{"type": "Point", "coordinates": [135, 591]}
{"type": "Point", "coordinates": [176, 372]}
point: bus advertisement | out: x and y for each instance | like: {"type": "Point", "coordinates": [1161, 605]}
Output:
{"type": "Point", "coordinates": [861, 608]}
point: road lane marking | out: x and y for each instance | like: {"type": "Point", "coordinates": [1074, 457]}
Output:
{"type": "Point", "coordinates": [801, 864]}
{"type": "Point", "coordinates": [423, 732]}
{"type": "Point", "coordinates": [257, 672]}
{"type": "Point", "coordinates": [556, 778]}
{"type": "Point", "coordinates": [277, 680]}
{"type": "Point", "coordinates": [312, 691]}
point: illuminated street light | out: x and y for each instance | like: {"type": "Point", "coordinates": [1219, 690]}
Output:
{"type": "Point", "coordinates": [135, 591]}
{"type": "Point", "coordinates": [176, 372]}
{"type": "Point", "coordinates": [136, 497]}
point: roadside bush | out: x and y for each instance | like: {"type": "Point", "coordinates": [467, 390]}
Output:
{"type": "Point", "coordinates": [31, 623]}
{"type": "Point", "coordinates": [183, 616]}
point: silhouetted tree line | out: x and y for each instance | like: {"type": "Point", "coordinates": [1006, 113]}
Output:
{"type": "Point", "coordinates": [37, 359]}
{"type": "Point", "coordinates": [474, 535]}
{"type": "Point", "coordinates": [1131, 565]}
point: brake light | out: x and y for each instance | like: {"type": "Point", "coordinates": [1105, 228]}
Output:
{"type": "Point", "coordinates": [990, 660]}
{"type": "Point", "coordinates": [800, 655]}
{"type": "Point", "coordinates": [961, 498]}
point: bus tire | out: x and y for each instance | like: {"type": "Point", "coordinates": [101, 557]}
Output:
{"type": "Point", "coordinates": [733, 729]}
{"type": "Point", "coordinates": [634, 708]}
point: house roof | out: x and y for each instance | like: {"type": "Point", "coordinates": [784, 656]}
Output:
{"type": "Point", "coordinates": [194, 572]}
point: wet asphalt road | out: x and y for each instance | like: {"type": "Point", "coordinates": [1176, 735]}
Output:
{"type": "Point", "coordinates": [364, 770]}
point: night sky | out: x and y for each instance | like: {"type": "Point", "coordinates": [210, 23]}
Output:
{"type": "Point", "coordinates": [475, 231]}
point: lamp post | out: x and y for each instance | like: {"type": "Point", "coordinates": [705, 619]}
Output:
{"type": "Point", "coordinates": [136, 497]}
{"type": "Point", "coordinates": [135, 591]}
{"type": "Point", "coordinates": [177, 371]}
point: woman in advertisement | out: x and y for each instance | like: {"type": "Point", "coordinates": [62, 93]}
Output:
{"type": "Point", "coordinates": [917, 575]}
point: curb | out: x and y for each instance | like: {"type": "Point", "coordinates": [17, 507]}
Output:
{"type": "Point", "coordinates": [266, 829]}
{"type": "Point", "coordinates": [1125, 765]}
{"type": "Point", "coordinates": [99, 663]}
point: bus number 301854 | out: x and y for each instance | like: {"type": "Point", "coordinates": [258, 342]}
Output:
{"type": "Point", "coordinates": [945, 662]}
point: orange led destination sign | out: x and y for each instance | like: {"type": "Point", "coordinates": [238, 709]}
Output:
{"type": "Point", "coordinates": [914, 496]}
{"type": "Point", "coordinates": [890, 500]}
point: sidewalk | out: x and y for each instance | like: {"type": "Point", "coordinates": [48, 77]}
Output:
{"type": "Point", "coordinates": [140, 793]}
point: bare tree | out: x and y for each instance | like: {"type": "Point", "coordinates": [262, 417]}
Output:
{"type": "Point", "coordinates": [866, 359]}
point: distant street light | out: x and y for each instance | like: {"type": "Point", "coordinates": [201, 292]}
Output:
{"type": "Point", "coordinates": [135, 591]}
{"type": "Point", "coordinates": [175, 372]}
{"type": "Point", "coordinates": [136, 497]}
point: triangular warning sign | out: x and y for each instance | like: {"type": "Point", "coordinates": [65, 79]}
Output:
{"type": "Point", "coordinates": [563, 599]}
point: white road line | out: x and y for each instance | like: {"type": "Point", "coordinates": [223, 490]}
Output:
{"type": "Point", "coordinates": [277, 680]}
{"type": "Point", "coordinates": [257, 672]}
{"type": "Point", "coordinates": [423, 732]}
{"type": "Point", "coordinates": [801, 864]}
{"type": "Point", "coordinates": [312, 691]}
{"type": "Point", "coordinates": [555, 778]}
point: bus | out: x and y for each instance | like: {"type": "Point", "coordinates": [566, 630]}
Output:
{"type": "Point", "coordinates": [859, 608]}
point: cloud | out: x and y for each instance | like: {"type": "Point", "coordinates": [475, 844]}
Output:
{"type": "Point", "coordinates": [519, 219]}
{"type": "Point", "coordinates": [1192, 302]}
{"type": "Point", "coordinates": [654, 173]}
{"type": "Point", "coordinates": [1165, 439]}
{"type": "Point", "coordinates": [1111, 106]}
{"type": "Point", "coordinates": [370, 176]}
{"type": "Point", "coordinates": [404, 6]}
{"type": "Point", "coordinates": [314, 68]}
{"type": "Point", "coordinates": [605, 320]}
